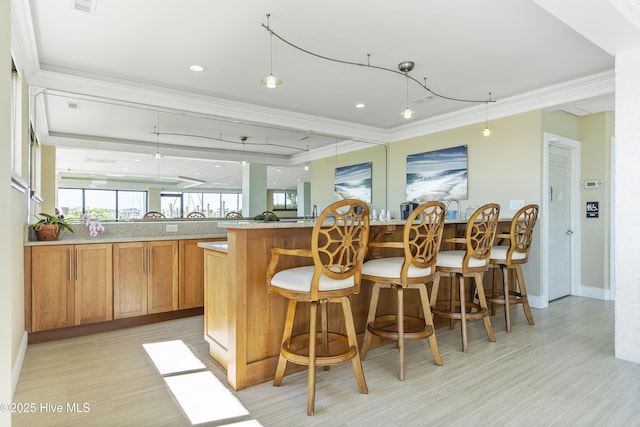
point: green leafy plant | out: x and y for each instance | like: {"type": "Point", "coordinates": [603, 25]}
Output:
{"type": "Point", "coordinates": [267, 217]}
{"type": "Point", "coordinates": [47, 219]}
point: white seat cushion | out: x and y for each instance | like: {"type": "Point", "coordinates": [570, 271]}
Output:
{"type": "Point", "coordinates": [298, 279]}
{"type": "Point", "coordinates": [500, 253]}
{"type": "Point", "coordinates": [390, 267]}
{"type": "Point", "coordinates": [453, 259]}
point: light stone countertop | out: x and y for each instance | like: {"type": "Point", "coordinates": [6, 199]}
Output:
{"type": "Point", "coordinates": [134, 232]}
{"type": "Point", "coordinates": [308, 223]}
{"type": "Point", "coordinates": [215, 246]}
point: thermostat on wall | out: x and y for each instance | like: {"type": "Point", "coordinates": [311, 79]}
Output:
{"type": "Point", "coordinates": [591, 183]}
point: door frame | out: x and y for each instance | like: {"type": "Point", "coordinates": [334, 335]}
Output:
{"type": "Point", "coordinates": [574, 147]}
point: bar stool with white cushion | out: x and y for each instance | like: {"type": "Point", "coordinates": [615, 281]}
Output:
{"type": "Point", "coordinates": [511, 257]}
{"type": "Point", "coordinates": [421, 241]}
{"type": "Point", "coordinates": [338, 247]}
{"type": "Point", "coordinates": [470, 262]}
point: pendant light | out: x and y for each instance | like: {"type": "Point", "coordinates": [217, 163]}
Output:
{"type": "Point", "coordinates": [158, 156]}
{"type": "Point", "coordinates": [243, 139]}
{"type": "Point", "coordinates": [270, 81]}
{"type": "Point", "coordinates": [405, 67]}
{"type": "Point", "coordinates": [306, 165]}
{"type": "Point", "coordinates": [486, 131]}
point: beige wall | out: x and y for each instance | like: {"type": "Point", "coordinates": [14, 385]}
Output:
{"type": "Point", "coordinates": [6, 292]}
{"type": "Point", "coordinates": [596, 134]}
{"type": "Point", "coordinates": [48, 185]}
{"type": "Point", "coordinates": [12, 333]}
{"type": "Point", "coordinates": [505, 166]}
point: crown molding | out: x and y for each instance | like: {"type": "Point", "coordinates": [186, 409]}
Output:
{"type": "Point", "coordinates": [23, 43]}
{"type": "Point", "coordinates": [170, 99]}
{"type": "Point", "coordinates": [570, 91]}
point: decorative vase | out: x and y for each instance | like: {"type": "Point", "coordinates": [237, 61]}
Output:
{"type": "Point", "coordinates": [47, 231]}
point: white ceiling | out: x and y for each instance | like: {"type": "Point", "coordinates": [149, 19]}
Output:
{"type": "Point", "coordinates": [113, 85]}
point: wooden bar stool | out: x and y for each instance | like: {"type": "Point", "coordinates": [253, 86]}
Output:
{"type": "Point", "coordinates": [471, 262]}
{"type": "Point", "coordinates": [338, 247]}
{"type": "Point", "coordinates": [421, 241]}
{"type": "Point", "coordinates": [511, 257]}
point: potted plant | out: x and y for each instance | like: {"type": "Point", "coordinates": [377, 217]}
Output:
{"type": "Point", "coordinates": [48, 226]}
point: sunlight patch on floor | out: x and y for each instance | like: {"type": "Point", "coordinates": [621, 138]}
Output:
{"type": "Point", "coordinates": [203, 398]}
{"type": "Point", "coordinates": [173, 356]}
{"type": "Point", "coordinates": [201, 395]}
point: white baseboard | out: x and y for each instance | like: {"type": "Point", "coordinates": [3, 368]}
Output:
{"type": "Point", "coordinates": [17, 366]}
{"type": "Point", "coordinates": [596, 293]}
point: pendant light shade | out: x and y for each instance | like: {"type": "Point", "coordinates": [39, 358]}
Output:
{"type": "Point", "coordinates": [270, 81]}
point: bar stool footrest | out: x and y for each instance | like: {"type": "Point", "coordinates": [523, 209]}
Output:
{"type": "Point", "coordinates": [479, 312]}
{"type": "Point", "coordinates": [299, 354]}
{"type": "Point", "coordinates": [386, 326]}
{"type": "Point", "coordinates": [514, 298]}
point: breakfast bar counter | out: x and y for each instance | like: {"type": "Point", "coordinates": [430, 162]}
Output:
{"type": "Point", "coordinates": [243, 322]}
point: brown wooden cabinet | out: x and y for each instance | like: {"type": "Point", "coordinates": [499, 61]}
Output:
{"type": "Point", "coordinates": [145, 278]}
{"type": "Point", "coordinates": [191, 288]}
{"type": "Point", "coordinates": [70, 285]}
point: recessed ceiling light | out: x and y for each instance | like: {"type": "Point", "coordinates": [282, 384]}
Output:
{"type": "Point", "coordinates": [196, 68]}
{"type": "Point", "coordinates": [361, 105]}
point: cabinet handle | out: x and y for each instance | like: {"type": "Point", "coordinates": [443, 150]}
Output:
{"type": "Point", "coordinates": [77, 262]}
{"type": "Point", "coordinates": [70, 266]}
{"type": "Point", "coordinates": [144, 260]}
{"type": "Point", "coordinates": [150, 259]}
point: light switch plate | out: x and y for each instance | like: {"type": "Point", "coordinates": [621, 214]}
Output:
{"type": "Point", "coordinates": [514, 205]}
{"type": "Point", "coordinates": [172, 228]}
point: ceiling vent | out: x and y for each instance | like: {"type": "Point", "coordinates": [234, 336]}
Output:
{"type": "Point", "coordinates": [86, 6]}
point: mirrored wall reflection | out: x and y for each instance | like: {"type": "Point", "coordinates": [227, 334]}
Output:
{"type": "Point", "coordinates": [113, 140]}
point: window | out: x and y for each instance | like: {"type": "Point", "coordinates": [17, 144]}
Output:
{"type": "Point", "coordinates": [193, 202]}
{"type": "Point", "coordinates": [171, 205]}
{"type": "Point", "coordinates": [283, 201]}
{"type": "Point", "coordinates": [131, 204]}
{"type": "Point", "coordinates": [230, 203]}
{"type": "Point", "coordinates": [102, 204]}
{"type": "Point", "coordinates": [213, 205]}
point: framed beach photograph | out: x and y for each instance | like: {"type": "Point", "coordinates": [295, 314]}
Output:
{"type": "Point", "coordinates": [437, 175]}
{"type": "Point", "coordinates": [353, 182]}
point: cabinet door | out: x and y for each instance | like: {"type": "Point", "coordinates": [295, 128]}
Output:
{"type": "Point", "coordinates": [129, 279]}
{"type": "Point", "coordinates": [191, 289]}
{"type": "Point", "coordinates": [52, 295]}
{"type": "Point", "coordinates": [93, 283]}
{"type": "Point", "coordinates": [162, 291]}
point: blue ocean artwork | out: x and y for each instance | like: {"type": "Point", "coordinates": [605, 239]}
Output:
{"type": "Point", "coordinates": [437, 175]}
{"type": "Point", "coordinates": [353, 182]}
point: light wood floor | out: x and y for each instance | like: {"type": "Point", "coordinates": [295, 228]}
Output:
{"type": "Point", "coordinates": [560, 372]}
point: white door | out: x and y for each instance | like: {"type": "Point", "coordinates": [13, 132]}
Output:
{"type": "Point", "coordinates": [559, 199]}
